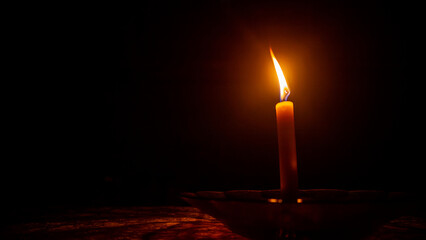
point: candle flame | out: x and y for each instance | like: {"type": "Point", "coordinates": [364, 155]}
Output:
{"type": "Point", "coordinates": [284, 90]}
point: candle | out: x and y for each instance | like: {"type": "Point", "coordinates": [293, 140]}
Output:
{"type": "Point", "coordinates": [286, 139]}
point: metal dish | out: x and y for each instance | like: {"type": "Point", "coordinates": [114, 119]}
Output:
{"type": "Point", "coordinates": [264, 215]}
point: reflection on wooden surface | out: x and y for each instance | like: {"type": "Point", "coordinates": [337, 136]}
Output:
{"type": "Point", "coordinates": [123, 223]}
{"type": "Point", "coordinates": [158, 223]}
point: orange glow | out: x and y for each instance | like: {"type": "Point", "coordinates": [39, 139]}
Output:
{"type": "Point", "coordinates": [274, 200]}
{"type": "Point", "coordinates": [299, 200]}
{"type": "Point", "coordinates": [284, 90]}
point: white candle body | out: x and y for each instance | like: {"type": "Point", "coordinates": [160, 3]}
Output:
{"type": "Point", "coordinates": [287, 150]}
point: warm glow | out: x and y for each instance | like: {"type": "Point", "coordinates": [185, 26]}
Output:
{"type": "Point", "coordinates": [275, 200]}
{"type": "Point", "coordinates": [284, 90]}
{"type": "Point", "coordinates": [299, 200]}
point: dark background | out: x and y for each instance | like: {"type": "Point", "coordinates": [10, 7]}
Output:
{"type": "Point", "coordinates": [132, 104]}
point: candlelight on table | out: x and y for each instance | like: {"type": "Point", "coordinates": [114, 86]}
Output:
{"type": "Point", "coordinates": [286, 139]}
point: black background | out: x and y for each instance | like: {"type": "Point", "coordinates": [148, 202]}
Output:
{"type": "Point", "coordinates": [132, 104]}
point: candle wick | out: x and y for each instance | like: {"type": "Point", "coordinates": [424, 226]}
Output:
{"type": "Point", "coordinates": [286, 96]}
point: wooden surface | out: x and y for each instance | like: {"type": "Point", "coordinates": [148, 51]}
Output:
{"type": "Point", "coordinates": [157, 223]}
{"type": "Point", "coordinates": [121, 223]}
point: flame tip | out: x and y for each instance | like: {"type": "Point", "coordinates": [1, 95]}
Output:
{"type": "Point", "coordinates": [284, 89]}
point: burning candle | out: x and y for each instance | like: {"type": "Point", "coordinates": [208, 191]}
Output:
{"type": "Point", "coordinates": [286, 139]}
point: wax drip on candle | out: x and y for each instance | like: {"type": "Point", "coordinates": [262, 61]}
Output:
{"type": "Point", "coordinates": [284, 90]}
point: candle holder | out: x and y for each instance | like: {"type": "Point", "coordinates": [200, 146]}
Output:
{"type": "Point", "coordinates": [327, 213]}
